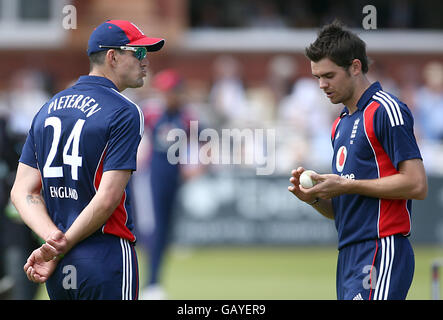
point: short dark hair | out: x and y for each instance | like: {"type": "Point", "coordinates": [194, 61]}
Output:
{"type": "Point", "coordinates": [98, 58]}
{"type": "Point", "coordinates": [341, 46]}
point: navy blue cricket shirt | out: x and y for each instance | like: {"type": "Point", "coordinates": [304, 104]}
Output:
{"type": "Point", "coordinates": [369, 144]}
{"type": "Point", "coordinates": [80, 133]}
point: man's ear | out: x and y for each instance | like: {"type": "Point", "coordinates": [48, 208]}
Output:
{"type": "Point", "coordinates": [355, 68]}
{"type": "Point", "coordinates": [111, 57]}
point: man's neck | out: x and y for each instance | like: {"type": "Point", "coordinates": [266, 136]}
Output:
{"type": "Point", "coordinates": [362, 85]}
{"type": "Point", "coordinates": [102, 73]}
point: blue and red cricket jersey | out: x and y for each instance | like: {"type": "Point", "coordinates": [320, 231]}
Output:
{"type": "Point", "coordinates": [369, 144]}
{"type": "Point", "coordinates": [80, 133]}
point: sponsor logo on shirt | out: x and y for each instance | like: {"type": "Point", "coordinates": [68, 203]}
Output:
{"type": "Point", "coordinates": [340, 160]}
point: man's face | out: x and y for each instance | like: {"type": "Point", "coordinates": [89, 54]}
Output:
{"type": "Point", "coordinates": [130, 70]}
{"type": "Point", "coordinates": [334, 80]}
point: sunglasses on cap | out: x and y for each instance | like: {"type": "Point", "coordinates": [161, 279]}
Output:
{"type": "Point", "coordinates": [139, 52]}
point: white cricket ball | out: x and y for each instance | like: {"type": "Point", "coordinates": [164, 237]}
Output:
{"type": "Point", "coordinates": [305, 179]}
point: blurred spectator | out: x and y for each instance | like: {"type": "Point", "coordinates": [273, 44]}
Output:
{"type": "Point", "coordinates": [161, 116]}
{"type": "Point", "coordinates": [25, 97]}
{"type": "Point", "coordinates": [7, 164]}
{"type": "Point", "coordinates": [227, 97]}
{"type": "Point", "coordinates": [377, 72]}
{"type": "Point", "coordinates": [264, 99]}
{"type": "Point", "coordinates": [282, 71]}
{"type": "Point", "coordinates": [19, 103]}
{"type": "Point", "coordinates": [409, 78]}
{"type": "Point", "coordinates": [429, 117]}
{"type": "Point", "coordinates": [310, 135]}
{"type": "Point", "coordinates": [429, 103]}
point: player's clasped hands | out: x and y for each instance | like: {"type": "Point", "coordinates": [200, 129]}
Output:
{"type": "Point", "coordinates": [42, 261]}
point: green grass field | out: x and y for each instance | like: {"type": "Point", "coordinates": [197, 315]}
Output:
{"type": "Point", "coordinates": [286, 273]}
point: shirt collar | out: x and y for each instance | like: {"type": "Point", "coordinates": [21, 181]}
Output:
{"type": "Point", "coordinates": [367, 95]}
{"type": "Point", "coordinates": [102, 81]}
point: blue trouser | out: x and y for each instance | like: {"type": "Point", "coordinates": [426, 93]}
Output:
{"type": "Point", "coordinates": [102, 267]}
{"type": "Point", "coordinates": [164, 186]}
{"type": "Point", "coordinates": [380, 269]}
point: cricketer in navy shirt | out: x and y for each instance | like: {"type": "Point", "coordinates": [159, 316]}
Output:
{"type": "Point", "coordinates": [377, 170]}
{"type": "Point", "coordinates": [113, 125]}
{"type": "Point", "coordinates": [369, 144]}
{"type": "Point", "coordinates": [71, 186]}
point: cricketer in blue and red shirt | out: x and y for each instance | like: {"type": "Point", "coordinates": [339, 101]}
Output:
{"type": "Point", "coordinates": [71, 184]}
{"type": "Point", "coordinates": [377, 170]}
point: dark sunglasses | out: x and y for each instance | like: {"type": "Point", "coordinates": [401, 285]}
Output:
{"type": "Point", "coordinates": [139, 52]}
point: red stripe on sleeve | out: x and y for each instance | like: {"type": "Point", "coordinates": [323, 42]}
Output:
{"type": "Point", "coordinates": [116, 223]}
{"type": "Point", "coordinates": [393, 214]}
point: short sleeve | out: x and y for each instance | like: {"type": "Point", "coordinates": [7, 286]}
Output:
{"type": "Point", "coordinates": [28, 155]}
{"type": "Point", "coordinates": [393, 123]}
{"type": "Point", "coordinates": [125, 135]}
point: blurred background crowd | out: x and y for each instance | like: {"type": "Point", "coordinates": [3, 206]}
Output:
{"type": "Point", "coordinates": [267, 87]}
